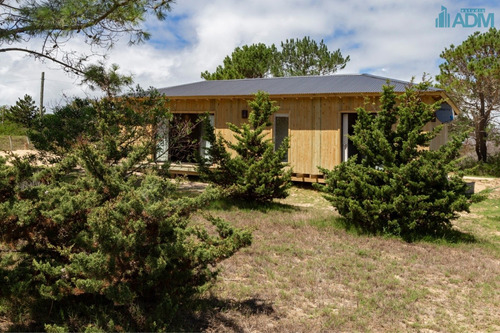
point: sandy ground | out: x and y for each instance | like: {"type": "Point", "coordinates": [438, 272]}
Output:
{"type": "Point", "coordinates": [18, 152]}
{"type": "Point", "coordinates": [482, 183]}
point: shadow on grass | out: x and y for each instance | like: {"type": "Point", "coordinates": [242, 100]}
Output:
{"type": "Point", "coordinates": [194, 316]}
{"type": "Point", "coordinates": [212, 313]}
{"type": "Point", "coordinates": [230, 204]}
{"type": "Point", "coordinates": [444, 236]}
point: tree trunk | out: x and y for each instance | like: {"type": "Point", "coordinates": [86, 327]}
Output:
{"type": "Point", "coordinates": [481, 133]}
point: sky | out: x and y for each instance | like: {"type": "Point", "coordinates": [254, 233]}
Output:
{"type": "Point", "coordinates": [392, 38]}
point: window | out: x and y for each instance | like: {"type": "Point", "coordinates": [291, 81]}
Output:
{"type": "Point", "coordinates": [280, 131]}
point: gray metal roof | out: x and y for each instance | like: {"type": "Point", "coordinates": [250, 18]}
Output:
{"type": "Point", "coordinates": [296, 85]}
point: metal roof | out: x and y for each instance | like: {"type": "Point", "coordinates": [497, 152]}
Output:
{"type": "Point", "coordinates": [295, 85]}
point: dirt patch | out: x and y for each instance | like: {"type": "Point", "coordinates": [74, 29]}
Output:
{"type": "Point", "coordinates": [485, 183]}
{"type": "Point", "coordinates": [23, 152]}
{"type": "Point", "coordinates": [192, 186]}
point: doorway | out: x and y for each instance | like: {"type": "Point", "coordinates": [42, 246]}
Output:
{"type": "Point", "coordinates": [348, 148]}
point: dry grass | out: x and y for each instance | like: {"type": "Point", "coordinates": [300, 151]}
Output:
{"type": "Point", "coordinates": [19, 142]}
{"type": "Point", "coordinates": [304, 274]}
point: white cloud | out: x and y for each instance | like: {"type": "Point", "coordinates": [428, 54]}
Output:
{"type": "Point", "coordinates": [391, 38]}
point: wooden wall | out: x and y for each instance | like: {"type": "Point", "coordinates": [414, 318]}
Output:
{"type": "Point", "coordinates": [314, 125]}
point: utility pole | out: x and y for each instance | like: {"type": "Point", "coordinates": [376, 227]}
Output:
{"type": "Point", "coordinates": [41, 94]}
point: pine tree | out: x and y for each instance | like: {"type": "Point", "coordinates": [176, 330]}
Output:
{"type": "Point", "coordinates": [297, 57]}
{"type": "Point", "coordinates": [396, 185]}
{"type": "Point", "coordinates": [99, 23]}
{"type": "Point", "coordinates": [256, 172]}
{"type": "Point", "coordinates": [470, 73]}
{"type": "Point", "coordinates": [301, 57]}
{"type": "Point", "coordinates": [98, 243]}
{"type": "Point", "coordinates": [24, 112]}
{"type": "Point", "coordinates": [248, 61]}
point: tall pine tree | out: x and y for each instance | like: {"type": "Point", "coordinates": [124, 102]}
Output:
{"type": "Point", "coordinates": [297, 57]}
{"type": "Point", "coordinates": [470, 73]}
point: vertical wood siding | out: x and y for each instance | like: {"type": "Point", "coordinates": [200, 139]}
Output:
{"type": "Point", "coordinates": [315, 124]}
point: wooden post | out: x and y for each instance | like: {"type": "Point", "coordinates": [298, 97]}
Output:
{"type": "Point", "coordinates": [41, 94]}
{"type": "Point", "coordinates": [10, 141]}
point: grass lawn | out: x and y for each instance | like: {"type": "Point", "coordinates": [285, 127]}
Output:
{"type": "Point", "coordinates": [304, 273]}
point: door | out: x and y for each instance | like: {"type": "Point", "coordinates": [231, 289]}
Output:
{"type": "Point", "coordinates": [348, 148]}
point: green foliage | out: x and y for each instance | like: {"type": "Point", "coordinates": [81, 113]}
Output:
{"type": "Point", "coordinates": [11, 128]}
{"type": "Point", "coordinates": [57, 133]}
{"type": "Point", "coordinates": [25, 112]}
{"type": "Point", "coordinates": [307, 57]}
{"type": "Point", "coordinates": [298, 57]}
{"type": "Point", "coordinates": [470, 73]}
{"type": "Point", "coordinates": [97, 245]}
{"type": "Point", "coordinates": [473, 167]}
{"type": "Point", "coordinates": [254, 61]}
{"type": "Point", "coordinates": [3, 112]}
{"type": "Point", "coordinates": [109, 81]}
{"type": "Point", "coordinates": [256, 172]}
{"type": "Point", "coordinates": [98, 22]}
{"type": "Point", "coordinates": [396, 185]}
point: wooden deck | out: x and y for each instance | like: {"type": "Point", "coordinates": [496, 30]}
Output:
{"type": "Point", "coordinates": [189, 169]}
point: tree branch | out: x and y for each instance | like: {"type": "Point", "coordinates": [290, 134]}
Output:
{"type": "Point", "coordinates": [41, 55]}
{"type": "Point", "coordinates": [77, 27]}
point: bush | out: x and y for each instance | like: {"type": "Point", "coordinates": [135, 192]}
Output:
{"type": "Point", "coordinates": [98, 245]}
{"type": "Point", "coordinates": [471, 166]}
{"type": "Point", "coordinates": [256, 172]}
{"type": "Point", "coordinates": [12, 128]}
{"type": "Point", "coordinates": [57, 133]}
{"type": "Point", "coordinates": [396, 185]}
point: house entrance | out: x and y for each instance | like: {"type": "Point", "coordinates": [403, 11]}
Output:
{"type": "Point", "coordinates": [348, 148]}
{"type": "Point", "coordinates": [181, 139]}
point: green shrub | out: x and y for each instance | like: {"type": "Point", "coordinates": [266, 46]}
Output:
{"type": "Point", "coordinates": [11, 128]}
{"type": "Point", "coordinates": [97, 245]}
{"type": "Point", "coordinates": [471, 166]}
{"type": "Point", "coordinates": [256, 172]}
{"type": "Point", "coordinates": [395, 185]}
{"type": "Point", "coordinates": [58, 132]}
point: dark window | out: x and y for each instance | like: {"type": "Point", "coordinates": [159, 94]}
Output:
{"type": "Point", "coordinates": [280, 132]}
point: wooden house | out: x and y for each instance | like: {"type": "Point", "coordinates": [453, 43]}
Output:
{"type": "Point", "coordinates": [317, 112]}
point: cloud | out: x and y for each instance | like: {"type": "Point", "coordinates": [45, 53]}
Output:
{"type": "Point", "coordinates": [391, 38]}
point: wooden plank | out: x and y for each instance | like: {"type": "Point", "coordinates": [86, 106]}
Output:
{"type": "Point", "coordinates": [330, 133]}
{"type": "Point", "coordinates": [316, 133]}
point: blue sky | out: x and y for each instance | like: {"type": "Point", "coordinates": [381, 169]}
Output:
{"type": "Point", "coordinates": [393, 38]}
